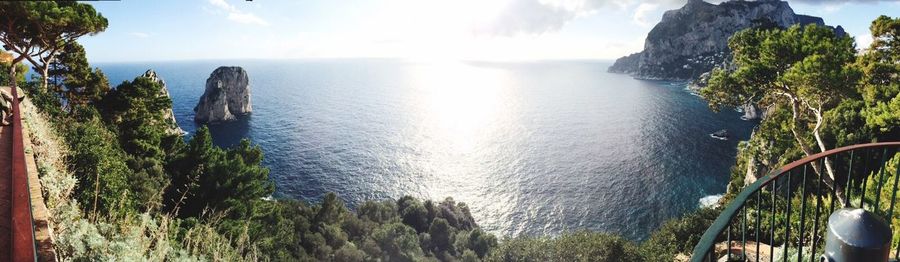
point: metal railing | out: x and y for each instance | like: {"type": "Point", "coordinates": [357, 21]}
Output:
{"type": "Point", "coordinates": [780, 216]}
{"type": "Point", "coordinates": [22, 222]}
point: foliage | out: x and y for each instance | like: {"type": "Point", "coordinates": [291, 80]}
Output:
{"type": "Point", "coordinates": [880, 83]}
{"type": "Point", "coordinates": [857, 109]}
{"type": "Point", "coordinates": [98, 165]}
{"type": "Point", "coordinates": [205, 176]}
{"type": "Point", "coordinates": [73, 78]}
{"type": "Point", "coordinates": [38, 30]}
{"type": "Point", "coordinates": [678, 236]}
{"type": "Point", "coordinates": [580, 246]}
{"type": "Point", "coordinates": [5, 63]}
{"type": "Point", "coordinates": [806, 69]}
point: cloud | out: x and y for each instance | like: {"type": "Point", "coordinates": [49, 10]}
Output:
{"type": "Point", "coordinates": [139, 34]}
{"type": "Point", "coordinates": [237, 15]}
{"type": "Point", "coordinates": [641, 13]}
{"type": "Point", "coordinates": [542, 16]}
{"type": "Point", "coordinates": [246, 18]}
{"type": "Point", "coordinates": [863, 41]}
{"type": "Point", "coordinates": [528, 17]}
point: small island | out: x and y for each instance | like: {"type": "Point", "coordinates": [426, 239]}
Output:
{"type": "Point", "coordinates": [227, 96]}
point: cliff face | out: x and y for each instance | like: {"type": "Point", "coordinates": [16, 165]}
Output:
{"type": "Point", "coordinates": [173, 128]}
{"type": "Point", "coordinates": [693, 39]}
{"type": "Point", "coordinates": [226, 97]}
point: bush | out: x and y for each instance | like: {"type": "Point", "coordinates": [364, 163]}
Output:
{"type": "Point", "coordinates": [580, 246]}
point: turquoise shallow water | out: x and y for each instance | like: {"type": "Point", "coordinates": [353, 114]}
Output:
{"type": "Point", "coordinates": [532, 148]}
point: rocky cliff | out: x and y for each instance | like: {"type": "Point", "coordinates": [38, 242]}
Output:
{"type": "Point", "coordinates": [227, 96]}
{"type": "Point", "coordinates": [173, 128]}
{"type": "Point", "coordinates": [693, 39]}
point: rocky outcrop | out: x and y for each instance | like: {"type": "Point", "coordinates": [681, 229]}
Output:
{"type": "Point", "coordinates": [227, 96]}
{"type": "Point", "coordinates": [627, 64]}
{"type": "Point", "coordinates": [752, 112]}
{"type": "Point", "coordinates": [693, 39]}
{"type": "Point", "coordinates": [168, 114]}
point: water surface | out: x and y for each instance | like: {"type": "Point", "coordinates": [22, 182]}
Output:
{"type": "Point", "coordinates": [532, 148]}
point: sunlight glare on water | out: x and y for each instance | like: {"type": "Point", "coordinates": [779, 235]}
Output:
{"type": "Point", "coordinates": [531, 148]}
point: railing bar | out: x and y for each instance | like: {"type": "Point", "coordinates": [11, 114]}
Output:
{"type": "Point", "coordinates": [728, 243]}
{"type": "Point", "coordinates": [744, 232]}
{"type": "Point", "coordinates": [833, 195]}
{"type": "Point", "coordinates": [772, 225]}
{"type": "Point", "coordinates": [802, 215]}
{"type": "Point", "coordinates": [880, 180]}
{"type": "Point", "coordinates": [787, 232]}
{"type": "Point", "coordinates": [894, 192]}
{"type": "Point", "coordinates": [849, 174]}
{"type": "Point", "coordinates": [758, 218]}
{"type": "Point", "coordinates": [862, 192]}
{"type": "Point", "coordinates": [897, 250]}
{"type": "Point", "coordinates": [815, 232]}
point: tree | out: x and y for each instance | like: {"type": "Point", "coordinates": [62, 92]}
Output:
{"type": "Point", "coordinates": [413, 213]}
{"type": "Point", "coordinates": [136, 109]}
{"type": "Point", "coordinates": [74, 78]}
{"type": "Point", "coordinates": [206, 176]}
{"type": "Point", "coordinates": [807, 69]}
{"type": "Point", "coordinates": [98, 164]}
{"type": "Point", "coordinates": [880, 82]}
{"type": "Point", "coordinates": [37, 30]}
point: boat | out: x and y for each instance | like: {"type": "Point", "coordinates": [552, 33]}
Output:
{"type": "Point", "coordinates": [720, 135]}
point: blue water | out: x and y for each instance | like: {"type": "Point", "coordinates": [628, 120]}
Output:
{"type": "Point", "coordinates": [532, 148]}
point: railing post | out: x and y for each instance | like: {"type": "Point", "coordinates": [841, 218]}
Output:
{"type": "Point", "coordinates": [855, 234]}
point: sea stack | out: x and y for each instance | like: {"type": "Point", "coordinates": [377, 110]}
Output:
{"type": "Point", "coordinates": [171, 124]}
{"type": "Point", "coordinates": [227, 96]}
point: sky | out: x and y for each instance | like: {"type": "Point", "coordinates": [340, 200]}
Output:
{"type": "Point", "coordinates": [489, 30]}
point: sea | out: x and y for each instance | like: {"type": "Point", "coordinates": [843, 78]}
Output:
{"type": "Point", "coordinates": [533, 148]}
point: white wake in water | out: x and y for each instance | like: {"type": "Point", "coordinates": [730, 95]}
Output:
{"type": "Point", "coordinates": [710, 201]}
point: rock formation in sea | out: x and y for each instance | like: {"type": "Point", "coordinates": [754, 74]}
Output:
{"type": "Point", "coordinates": [227, 96]}
{"type": "Point", "coordinates": [692, 40]}
{"type": "Point", "coordinates": [171, 124]}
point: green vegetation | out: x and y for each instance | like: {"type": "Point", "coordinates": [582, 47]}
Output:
{"type": "Point", "coordinates": [818, 93]}
{"type": "Point", "coordinates": [122, 187]}
{"type": "Point", "coordinates": [803, 70]}
{"type": "Point", "coordinates": [38, 30]}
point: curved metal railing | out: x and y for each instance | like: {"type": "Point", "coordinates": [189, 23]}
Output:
{"type": "Point", "coordinates": [768, 220]}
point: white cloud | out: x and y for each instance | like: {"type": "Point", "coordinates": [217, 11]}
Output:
{"type": "Point", "coordinates": [139, 34]}
{"type": "Point", "coordinates": [221, 4]}
{"type": "Point", "coordinates": [246, 18]}
{"type": "Point", "coordinates": [541, 16]}
{"type": "Point", "coordinates": [863, 41]}
{"type": "Point", "coordinates": [237, 15]}
{"type": "Point", "coordinates": [641, 13]}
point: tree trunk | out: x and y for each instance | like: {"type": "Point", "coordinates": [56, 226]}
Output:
{"type": "Point", "coordinates": [828, 175]}
{"type": "Point", "coordinates": [45, 71]}
{"type": "Point", "coordinates": [12, 71]}
{"type": "Point", "coordinates": [838, 190]}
